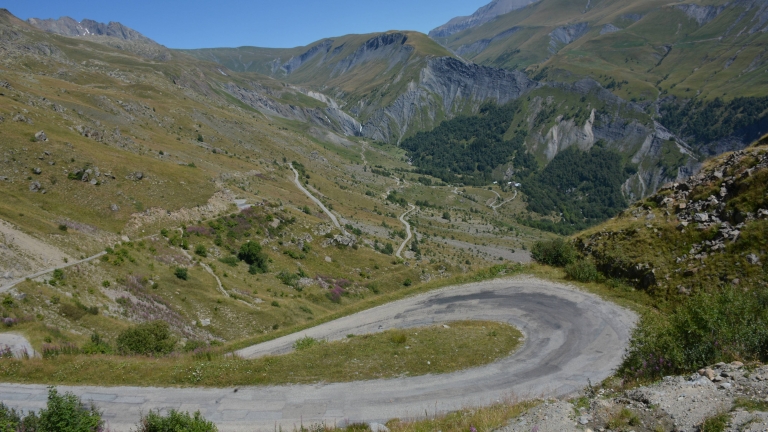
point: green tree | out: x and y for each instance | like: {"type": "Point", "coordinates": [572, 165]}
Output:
{"type": "Point", "coordinates": [251, 253]}
{"type": "Point", "coordinates": [557, 252]}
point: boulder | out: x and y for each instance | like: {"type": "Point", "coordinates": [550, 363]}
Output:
{"type": "Point", "coordinates": [114, 207]}
{"type": "Point", "coordinates": [753, 259]}
{"type": "Point", "coordinates": [34, 186]}
{"type": "Point", "coordinates": [41, 136]}
{"type": "Point", "coordinates": [701, 217]}
{"type": "Point", "coordinates": [37, 171]}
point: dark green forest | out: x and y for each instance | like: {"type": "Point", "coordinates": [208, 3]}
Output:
{"type": "Point", "coordinates": [702, 122]}
{"type": "Point", "coordinates": [577, 188]}
{"type": "Point", "coordinates": [466, 149]}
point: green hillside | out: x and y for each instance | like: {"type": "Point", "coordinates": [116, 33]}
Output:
{"type": "Point", "coordinates": [699, 48]}
{"type": "Point", "coordinates": [375, 65]}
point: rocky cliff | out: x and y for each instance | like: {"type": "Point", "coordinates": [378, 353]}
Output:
{"type": "Point", "coordinates": [446, 87]}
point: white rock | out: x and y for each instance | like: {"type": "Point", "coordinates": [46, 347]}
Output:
{"type": "Point", "coordinates": [378, 427]}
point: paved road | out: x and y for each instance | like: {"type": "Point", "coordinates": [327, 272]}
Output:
{"type": "Point", "coordinates": [407, 230]}
{"type": "Point", "coordinates": [570, 337]}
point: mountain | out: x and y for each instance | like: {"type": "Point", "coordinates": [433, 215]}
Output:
{"type": "Point", "coordinates": [140, 181]}
{"type": "Point", "coordinates": [657, 54]}
{"type": "Point", "coordinates": [113, 34]}
{"type": "Point", "coordinates": [481, 16]}
{"type": "Point", "coordinates": [393, 83]}
{"type": "Point", "coordinates": [67, 26]}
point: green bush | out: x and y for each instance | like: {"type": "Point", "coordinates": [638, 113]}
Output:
{"type": "Point", "coordinates": [152, 338]}
{"type": "Point", "coordinates": [96, 346]}
{"type": "Point", "coordinates": [65, 413]}
{"type": "Point", "coordinates": [288, 278]}
{"type": "Point", "coordinates": [175, 421]}
{"type": "Point", "coordinates": [731, 324]}
{"type": "Point", "coordinates": [251, 253]}
{"type": "Point", "coordinates": [201, 251]}
{"type": "Point", "coordinates": [583, 271]}
{"type": "Point", "coordinates": [181, 273]}
{"type": "Point", "coordinates": [408, 282]}
{"type": "Point", "coordinates": [557, 252]}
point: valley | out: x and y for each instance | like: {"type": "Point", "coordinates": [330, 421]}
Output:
{"type": "Point", "coordinates": [217, 229]}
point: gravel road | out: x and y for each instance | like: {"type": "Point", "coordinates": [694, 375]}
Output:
{"type": "Point", "coordinates": [570, 337]}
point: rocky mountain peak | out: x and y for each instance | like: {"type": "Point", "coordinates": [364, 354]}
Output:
{"type": "Point", "coordinates": [480, 17]}
{"type": "Point", "coordinates": [67, 26]}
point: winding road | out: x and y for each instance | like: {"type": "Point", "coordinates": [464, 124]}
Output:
{"type": "Point", "coordinates": [570, 337]}
{"type": "Point", "coordinates": [407, 230]}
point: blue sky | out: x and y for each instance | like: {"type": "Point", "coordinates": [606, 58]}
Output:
{"type": "Point", "coordinates": [265, 23]}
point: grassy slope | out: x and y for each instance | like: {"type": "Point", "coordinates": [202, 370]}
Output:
{"type": "Point", "coordinates": [142, 108]}
{"type": "Point", "coordinates": [377, 82]}
{"type": "Point", "coordinates": [650, 234]}
{"type": "Point", "coordinates": [392, 353]}
{"type": "Point", "coordinates": [698, 61]}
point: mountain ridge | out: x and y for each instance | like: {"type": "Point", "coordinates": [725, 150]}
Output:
{"type": "Point", "coordinates": [480, 17]}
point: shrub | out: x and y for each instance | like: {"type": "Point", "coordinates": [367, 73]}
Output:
{"type": "Point", "coordinates": [305, 342]}
{"type": "Point", "coordinates": [707, 328]}
{"type": "Point", "coordinates": [251, 253]}
{"type": "Point", "coordinates": [175, 421]}
{"type": "Point", "coordinates": [97, 346]}
{"type": "Point", "coordinates": [58, 274]}
{"type": "Point", "coordinates": [146, 339]}
{"type": "Point", "coordinates": [290, 279]}
{"type": "Point", "coordinates": [64, 413]}
{"type": "Point", "coordinates": [407, 282]}
{"type": "Point", "coordinates": [71, 311]}
{"type": "Point", "coordinates": [398, 337]}
{"type": "Point", "coordinates": [63, 227]}
{"type": "Point", "coordinates": [557, 252]}
{"type": "Point", "coordinates": [181, 273]}
{"type": "Point", "coordinates": [201, 251]}
{"type": "Point", "coordinates": [51, 351]}
{"type": "Point", "coordinates": [716, 423]}
{"type": "Point", "coordinates": [231, 261]}
{"type": "Point", "coordinates": [583, 271]}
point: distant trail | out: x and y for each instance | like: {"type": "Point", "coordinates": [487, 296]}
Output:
{"type": "Point", "coordinates": [407, 229]}
{"type": "Point", "coordinates": [494, 207]}
{"type": "Point", "coordinates": [362, 154]}
{"type": "Point", "coordinates": [316, 201]}
{"type": "Point", "coordinates": [15, 282]}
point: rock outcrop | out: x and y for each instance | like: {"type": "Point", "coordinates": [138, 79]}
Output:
{"type": "Point", "coordinates": [67, 26]}
{"type": "Point", "coordinates": [446, 85]}
{"type": "Point", "coordinates": [680, 403]}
